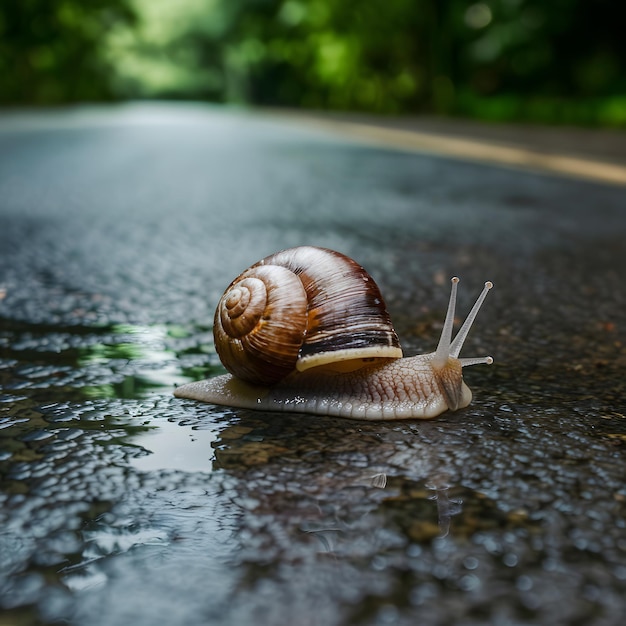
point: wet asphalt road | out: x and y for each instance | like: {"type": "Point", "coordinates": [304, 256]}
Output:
{"type": "Point", "coordinates": [119, 229]}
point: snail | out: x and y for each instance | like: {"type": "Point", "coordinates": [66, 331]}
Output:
{"type": "Point", "coordinates": [306, 330]}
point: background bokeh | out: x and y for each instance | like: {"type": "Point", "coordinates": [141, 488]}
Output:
{"type": "Point", "coordinates": [556, 62]}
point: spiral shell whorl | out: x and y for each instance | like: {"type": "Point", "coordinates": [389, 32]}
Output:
{"type": "Point", "coordinates": [242, 306]}
{"type": "Point", "coordinates": [260, 324]}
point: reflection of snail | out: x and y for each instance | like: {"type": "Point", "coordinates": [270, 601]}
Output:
{"type": "Point", "coordinates": [306, 330]}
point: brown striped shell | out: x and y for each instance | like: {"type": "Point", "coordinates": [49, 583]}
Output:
{"type": "Point", "coordinates": [301, 308]}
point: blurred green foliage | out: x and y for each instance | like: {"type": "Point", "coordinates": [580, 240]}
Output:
{"type": "Point", "coordinates": [52, 51]}
{"type": "Point", "coordinates": [558, 61]}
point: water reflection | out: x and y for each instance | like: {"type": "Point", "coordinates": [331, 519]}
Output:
{"type": "Point", "coordinates": [144, 349]}
{"type": "Point", "coordinates": [354, 488]}
{"type": "Point", "coordinates": [114, 361]}
{"type": "Point", "coordinates": [421, 528]}
{"type": "Point", "coordinates": [351, 511]}
{"type": "Point", "coordinates": [175, 446]}
{"type": "Point", "coordinates": [446, 506]}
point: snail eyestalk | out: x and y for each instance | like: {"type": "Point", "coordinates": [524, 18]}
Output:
{"type": "Point", "coordinates": [443, 347]}
{"type": "Point", "coordinates": [457, 344]}
{"type": "Point", "coordinates": [478, 360]}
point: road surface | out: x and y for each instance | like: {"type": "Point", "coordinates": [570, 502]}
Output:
{"type": "Point", "coordinates": [119, 229]}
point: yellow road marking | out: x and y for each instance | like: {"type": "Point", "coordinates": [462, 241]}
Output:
{"type": "Point", "coordinates": [477, 150]}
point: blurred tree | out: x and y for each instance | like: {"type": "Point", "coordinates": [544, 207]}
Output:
{"type": "Point", "coordinates": [345, 54]}
{"type": "Point", "coordinates": [175, 50]}
{"type": "Point", "coordinates": [497, 59]}
{"type": "Point", "coordinates": [491, 58]}
{"type": "Point", "coordinates": [53, 51]}
{"type": "Point", "coordinates": [538, 60]}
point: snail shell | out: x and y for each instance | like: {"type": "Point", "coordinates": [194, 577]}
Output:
{"type": "Point", "coordinates": [301, 308]}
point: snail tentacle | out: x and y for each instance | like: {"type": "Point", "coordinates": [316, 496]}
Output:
{"type": "Point", "coordinates": [457, 343]}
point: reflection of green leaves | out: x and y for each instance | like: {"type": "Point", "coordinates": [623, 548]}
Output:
{"type": "Point", "coordinates": [149, 357]}
{"type": "Point", "coordinates": [202, 371]}
{"type": "Point", "coordinates": [177, 332]}
{"type": "Point", "coordinates": [119, 361]}
{"type": "Point", "coordinates": [100, 353]}
{"type": "Point", "coordinates": [130, 387]}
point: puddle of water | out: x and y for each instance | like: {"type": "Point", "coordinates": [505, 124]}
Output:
{"type": "Point", "coordinates": [146, 349]}
{"type": "Point", "coordinates": [173, 446]}
{"type": "Point", "coordinates": [117, 361]}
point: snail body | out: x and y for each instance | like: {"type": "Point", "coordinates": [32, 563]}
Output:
{"type": "Point", "coordinates": [306, 330]}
